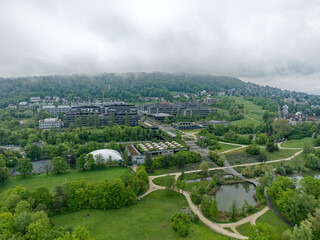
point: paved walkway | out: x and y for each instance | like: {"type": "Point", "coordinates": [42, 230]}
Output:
{"type": "Point", "coordinates": [217, 227]}
{"type": "Point", "coordinates": [239, 165]}
{"type": "Point", "coordinates": [214, 226]}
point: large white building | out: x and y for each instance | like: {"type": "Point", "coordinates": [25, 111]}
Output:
{"type": "Point", "coordinates": [49, 123]}
{"type": "Point", "coordinates": [55, 111]}
{"type": "Point", "coordinates": [106, 154]}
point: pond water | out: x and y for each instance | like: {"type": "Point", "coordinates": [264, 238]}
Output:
{"type": "Point", "coordinates": [297, 177]}
{"type": "Point", "coordinates": [208, 178]}
{"type": "Point", "coordinates": [239, 192]}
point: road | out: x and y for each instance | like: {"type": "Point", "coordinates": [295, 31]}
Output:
{"type": "Point", "coordinates": [15, 148]}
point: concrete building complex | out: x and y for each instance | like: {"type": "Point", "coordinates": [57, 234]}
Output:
{"type": "Point", "coordinates": [139, 151]}
{"type": "Point", "coordinates": [189, 109]}
{"type": "Point", "coordinates": [48, 123]}
{"type": "Point", "coordinates": [117, 113]}
{"type": "Point", "coordinates": [55, 111]}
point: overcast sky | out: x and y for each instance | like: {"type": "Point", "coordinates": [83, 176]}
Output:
{"type": "Point", "coordinates": [270, 42]}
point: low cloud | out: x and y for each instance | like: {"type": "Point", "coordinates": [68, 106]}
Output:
{"type": "Point", "coordinates": [269, 42]}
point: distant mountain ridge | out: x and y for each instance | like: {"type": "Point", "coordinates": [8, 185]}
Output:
{"type": "Point", "coordinates": [125, 86]}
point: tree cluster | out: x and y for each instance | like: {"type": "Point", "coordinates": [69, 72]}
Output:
{"type": "Point", "coordinates": [165, 161]}
{"type": "Point", "coordinates": [295, 203]}
{"type": "Point", "coordinates": [24, 215]}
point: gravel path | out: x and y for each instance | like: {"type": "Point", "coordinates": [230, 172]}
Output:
{"type": "Point", "coordinates": [217, 227]}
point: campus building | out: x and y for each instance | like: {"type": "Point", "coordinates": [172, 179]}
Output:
{"type": "Point", "coordinates": [55, 111]}
{"type": "Point", "coordinates": [185, 126]}
{"type": "Point", "coordinates": [138, 152]}
{"type": "Point", "coordinates": [189, 109]}
{"type": "Point", "coordinates": [113, 113]}
{"type": "Point", "coordinates": [48, 123]}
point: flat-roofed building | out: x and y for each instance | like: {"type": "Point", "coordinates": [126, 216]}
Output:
{"type": "Point", "coordinates": [136, 157]}
{"type": "Point", "coordinates": [35, 99]}
{"type": "Point", "coordinates": [55, 111]}
{"type": "Point", "coordinates": [48, 123]}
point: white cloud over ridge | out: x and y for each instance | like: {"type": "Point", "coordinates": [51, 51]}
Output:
{"type": "Point", "coordinates": [270, 42]}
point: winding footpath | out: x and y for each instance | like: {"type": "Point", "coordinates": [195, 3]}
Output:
{"type": "Point", "coordinates": [220, 227]}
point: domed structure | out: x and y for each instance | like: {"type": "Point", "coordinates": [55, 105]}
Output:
{"type": "Point", "coordinates": [106, 154]}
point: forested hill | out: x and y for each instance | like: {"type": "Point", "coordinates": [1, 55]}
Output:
{"type": "Point", "coordinates": [123, 86]}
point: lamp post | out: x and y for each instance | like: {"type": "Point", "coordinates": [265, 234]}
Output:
{"type": "Point", "coordinates": [11, 163]}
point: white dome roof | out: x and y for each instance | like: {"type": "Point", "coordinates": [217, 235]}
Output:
{"type": "Point", "coordinates": [105, 153]}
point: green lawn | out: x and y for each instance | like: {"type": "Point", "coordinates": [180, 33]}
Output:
{"type": "Point", "coordinates": [225, 147]}
{"type": "Point", "coordinates": [297, 143]}
{"type": "Point", "coordinates": [254, 111]}
{"type": "Point", "coordinates": [251, 110]}
{"type": "Point", "coordinates": [161, 181]}
{"type": "Point", "coordinates": [53, 180]}
{"type": "Point", "coordinates": [229, 229]}
{"type": "Point", "coordinates": [173, 169]}
{"type": "Point", "coordinates": [281, 154]}
{"type": "Point", "coordinates": [245, 121]}
{"type": "Point", "coordinates": [190, 186]}
{"type": "Point", "coordinates": [243, 229]}
{"type": "Point", "coordinates": [240, 156]}
{"type": "Point", "coordinates": [148, 219]}
{"type": "Point", "coordinates": [272, 219]}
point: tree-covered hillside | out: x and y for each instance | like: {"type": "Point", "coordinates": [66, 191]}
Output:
{"type": "Point", "coordinates": [127, 86]}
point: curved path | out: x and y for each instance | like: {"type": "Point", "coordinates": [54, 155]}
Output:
{"type": "Point", "coordinates": [217, 227]}
{"type": "Point", "coordinates": [239, 165]}
{"type": "Point", "coordinates": [214, 226]}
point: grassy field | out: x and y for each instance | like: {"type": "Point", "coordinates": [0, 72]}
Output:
{"type": "Point", "coordinates": [148, 219]}
{"type": "Point", "coordinates": [245, 121]}
{"type": "Point", "coordinates": [229, 229]}
{"type": "Point", "coordinates": [190, 186]}
{"type": "Point", "coordinates": [240, 156]}
{"type": "Point", "coordinates": [251, 110]}
{"type": "Point", "coordinates": [243, 229]}
{"type": "Point", "coordinates": [173, 169]}
{"type": "Point", "coordinates": [225, 147]}
{"type": "Point", "coordinates": [272, 219]}
{"type": "Point", "coordinates": [53, 180]}
{"type": "Point", "coordinates": [161, 181]}
{"type": "Point", "coordinates": [297, 143]}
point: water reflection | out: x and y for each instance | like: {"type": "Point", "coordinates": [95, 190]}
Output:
{"type": "Point", "coordinates": [238, 192]}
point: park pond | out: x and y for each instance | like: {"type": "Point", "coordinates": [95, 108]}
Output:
{"type": "Point", "coordinates": [239, 192]}
{"type": "Point", "coordinates": [297, 177]}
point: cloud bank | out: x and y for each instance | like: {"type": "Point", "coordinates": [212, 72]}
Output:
{"type": "Point", "coordinates": [269, 42]}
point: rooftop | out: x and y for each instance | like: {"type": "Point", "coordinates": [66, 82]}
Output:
{"type": "Point", "coordinates": [145, 147]}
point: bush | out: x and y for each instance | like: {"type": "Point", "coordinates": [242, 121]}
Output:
{"type": "Point", "coordinates": [181, 223]}
{"type": "Point", "coordinates": [206, 205]}
{"type": "Point", "coordinates": [194, 218]}
{"type": "Point", "coordinates": [183, 230]}
{"type": "Point", "coordinates": [272, 147]}
{"type": "Point", "coordinates": [312, 162]}
{"type": "Point", "coordinates": [217, 157]}
{"type": "Point", "coordinates": [195, 197]}
{"type": "Point", "coordinates": [262, 157]}
{"type": "Point", "coordinates": [253, 149]}
{"type": "Point", "coordinates": [262, 138]}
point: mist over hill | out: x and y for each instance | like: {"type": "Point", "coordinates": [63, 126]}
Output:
{"type": "Point", "coordinates": [128, 86]}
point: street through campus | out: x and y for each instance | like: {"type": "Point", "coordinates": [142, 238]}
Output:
{"type": "Point", "coordinates": [221, 227]}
